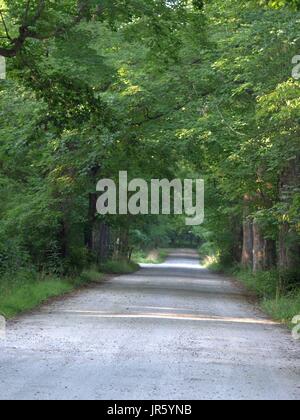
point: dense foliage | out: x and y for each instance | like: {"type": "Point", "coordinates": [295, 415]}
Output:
{"type": "Point", "coordinates": [162, 89]}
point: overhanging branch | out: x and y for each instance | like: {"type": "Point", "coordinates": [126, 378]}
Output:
{"type": "Point", "coordinates": [26, 31]}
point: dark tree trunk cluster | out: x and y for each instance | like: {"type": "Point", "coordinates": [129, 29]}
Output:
{"type": "Point", "coordinates": [289, 244]}
{"type": "Point", "coordinates": [98, 238]}
{"type": "Point", "coordinates": [261, 253]}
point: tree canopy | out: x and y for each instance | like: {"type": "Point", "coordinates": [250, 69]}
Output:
{"type": "Point", "coordinates": [163, 89]}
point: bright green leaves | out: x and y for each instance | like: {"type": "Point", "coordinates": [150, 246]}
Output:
{"type": "Point", "coordinates": [161, 89]}
{"type": "Point", "coordinates": [279, 4]}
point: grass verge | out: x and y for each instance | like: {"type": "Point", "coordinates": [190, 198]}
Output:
{"type": "Point", "coordinates": [284, 308]}
{"type": "Point", "coordinates": [119, 267]}
{"type": "Point", "coordinates": [281, 304]}
{"type": "Point", "coordinates": [26, 290]}
{"type": "Point", "coordinates": [156, 256]}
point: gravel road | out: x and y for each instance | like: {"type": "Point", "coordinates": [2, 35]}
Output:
{"type": "Point", "coordinates": [171, 331]}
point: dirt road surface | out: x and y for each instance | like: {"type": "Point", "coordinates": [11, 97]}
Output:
{"type": "Point", "coordinates": [172, 331]}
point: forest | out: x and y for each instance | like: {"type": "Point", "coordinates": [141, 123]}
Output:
{"type": "Point", "coordinates": [162, 89]}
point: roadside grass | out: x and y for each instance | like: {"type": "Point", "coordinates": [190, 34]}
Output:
{"type": "Point", "coordinates": [264, 283]}
{"type": "Point", "coordinates": [25, 290]}
{"type": "Point", "coordinates": [155, 256]}
{"type": "Point", "coordinates": [284, 308]}
{"type": "Point", "coordinates": [282, 303]}
{"type": "Point", "coordinates": [119, 267]}
{"type": "Point", "coordinates": [92, 275]}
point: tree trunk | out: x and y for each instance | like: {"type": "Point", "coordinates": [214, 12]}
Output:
{"type": "Point", "coordinates": [289, 244]}
{"type": "Point", "coordinates": [264, 250]}
{"type": "Point", "coordinates": [247, 253]}
{"type": "Point", "coordinates": [91, 221]}
{"type": "Point", "coordinates": [258, 248]}
{"type": "Point", "coordinates": [270, 254]}
{"type": "Point", "coordinates": [124, 243]}
{"type": "Point", "coordinates": [105, 245]}
{"type": "Point", "coordinates": [97, 235]}
{"type": "Point", "coordinates": [289, 248]}
{"type": "Point", "coordinates": [237, 239]}
{"type": "Point", "coordinates": [284, 257]}
{"type": "Point", "coordinates": [63, 239]}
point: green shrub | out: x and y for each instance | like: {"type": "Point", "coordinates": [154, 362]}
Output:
{"type": "Point", "coordinates": [27, 292]}
{"type": "Point", "coordinates": [12, 255]}
{"type": "Point", "coordinates": [119, 267]}
{"type": "Point", "coordinates": [264, 283]}
{"type": "Point", "coordinates": [25, 289]}
{"type": "Point", "coordinates": [92, 275]}
{"type": "Point", "coordinates": [284, 308]}
{"type": "Point", "coordinates": [150, 257]}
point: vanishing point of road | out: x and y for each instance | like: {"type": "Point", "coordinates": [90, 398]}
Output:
{"type": "Point", "coordinates": [170, 331]}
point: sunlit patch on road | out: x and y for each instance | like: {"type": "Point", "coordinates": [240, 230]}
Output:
{"type": "Point", "coordinates": [167, 315]}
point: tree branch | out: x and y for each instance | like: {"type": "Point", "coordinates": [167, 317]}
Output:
{"type": "Point", "coordinates": [5, 26]}
{"type": "Point", "coordinates": [25, 31]}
